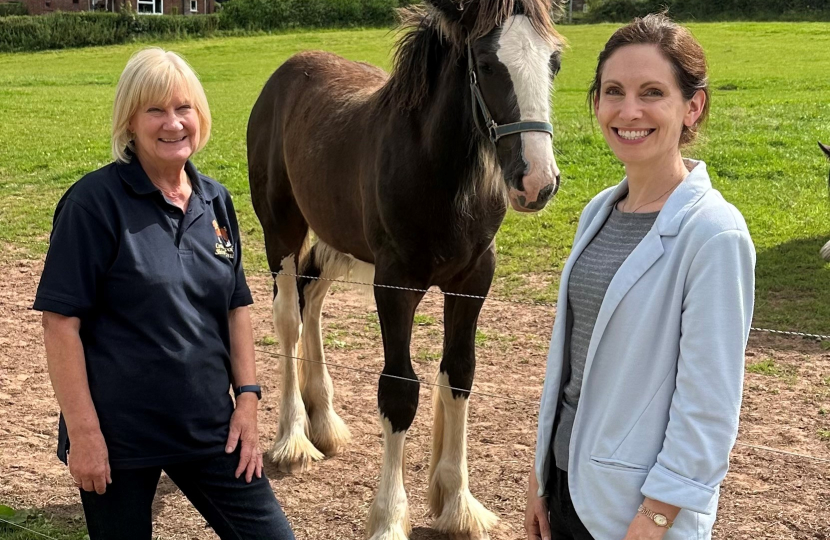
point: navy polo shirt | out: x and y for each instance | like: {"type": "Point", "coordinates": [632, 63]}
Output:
{"type": "Point", "coordinates": [152, 287]}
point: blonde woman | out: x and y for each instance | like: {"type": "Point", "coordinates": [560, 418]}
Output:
{"type": "Point", "coordinates": [146, 323]}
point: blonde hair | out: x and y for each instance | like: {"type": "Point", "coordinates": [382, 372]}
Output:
{"type": "Point", "coordinates": [152, 75]}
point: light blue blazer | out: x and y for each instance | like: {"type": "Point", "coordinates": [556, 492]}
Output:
{"type": "Point", "coordinates": [661, 392]}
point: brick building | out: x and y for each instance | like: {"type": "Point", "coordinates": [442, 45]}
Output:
{"type": "Point", "coordinates": [166, 7]}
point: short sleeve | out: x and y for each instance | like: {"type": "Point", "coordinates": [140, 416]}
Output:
{"type": "Point", "coordinates": [81, 248]}
{"type": "Point", "coordinates": [241, 294]}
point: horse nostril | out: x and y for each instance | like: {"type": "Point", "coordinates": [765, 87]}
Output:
{"type": "Point", "coordinates": [545, 194]}
{"type": "Point", "coordinates": [556, 186]}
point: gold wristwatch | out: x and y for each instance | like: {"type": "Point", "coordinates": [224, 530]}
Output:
{"type": "Point", "coordinates": [659, 519]}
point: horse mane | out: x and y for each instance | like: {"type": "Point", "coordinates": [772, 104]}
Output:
{"type": "Point", "coordinates": [429, 35]}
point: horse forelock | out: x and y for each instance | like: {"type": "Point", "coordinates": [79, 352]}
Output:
{"type": "Point", "coordinates": [428, 31]}
{"type": "Point", "coordinates": [490, 14]}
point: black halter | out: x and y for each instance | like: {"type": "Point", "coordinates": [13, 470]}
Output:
{"type": "Point", "coordinates": [495, 131]}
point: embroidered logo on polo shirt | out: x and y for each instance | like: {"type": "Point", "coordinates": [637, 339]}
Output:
{"type": "Point", "coordinates": [224, 247]}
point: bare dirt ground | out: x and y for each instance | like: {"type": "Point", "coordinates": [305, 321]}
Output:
{"type": "Point", "coordinates": [766, 495]}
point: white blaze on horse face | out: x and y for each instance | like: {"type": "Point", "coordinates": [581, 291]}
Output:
{"type": "Point", "coordinates": [526, 55]}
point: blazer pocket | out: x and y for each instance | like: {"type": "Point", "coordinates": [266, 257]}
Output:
{"type": "Point", "coordinates": [618, 465]}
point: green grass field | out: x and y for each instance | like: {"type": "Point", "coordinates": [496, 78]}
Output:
{"type": "Point", "coordinates": [771, 83]}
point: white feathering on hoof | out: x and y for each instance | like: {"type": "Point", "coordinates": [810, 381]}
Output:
{"type": "Point", "coordinates": [455, 509]}
{"type": "Point", "coordinates": [328, 432]}
{"type": "Point", "coordinates": [825, 252]}
{"type": "Point", "coordinates": [294, 453]}
{"type": "Point", "coordinates": [465, 517]}
{"type": "Point", "coordinates": [389, 513]}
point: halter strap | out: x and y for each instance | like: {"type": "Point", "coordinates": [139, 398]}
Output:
{"type": "Point", "coordinates": [493, 130]}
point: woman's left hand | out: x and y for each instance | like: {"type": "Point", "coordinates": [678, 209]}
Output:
{"type": "Point", "coordinates": [244, 431]}
{"type": "Point", "coordinates": [642, 528]}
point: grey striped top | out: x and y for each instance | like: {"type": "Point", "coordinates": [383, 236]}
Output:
{"type": "Point", "coordinates": [589, 280]}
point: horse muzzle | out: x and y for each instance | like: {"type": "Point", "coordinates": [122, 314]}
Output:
{"type": "Point", "coordinates": [535, 195]}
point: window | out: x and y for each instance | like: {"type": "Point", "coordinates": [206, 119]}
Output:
{"type": "Point", "coordinates": [194, 6]}
{"type": "Point", "coordinates": [154, 7]}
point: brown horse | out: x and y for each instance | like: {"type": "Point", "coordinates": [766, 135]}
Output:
{"type": "Point", "coordinates": [408, 176]}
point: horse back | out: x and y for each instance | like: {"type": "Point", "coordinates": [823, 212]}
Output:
{"type": "Point", "coordinates": [305, 130]}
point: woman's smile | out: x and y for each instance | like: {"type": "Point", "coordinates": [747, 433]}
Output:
{"type": "Point", "coordinates": [632, 136]}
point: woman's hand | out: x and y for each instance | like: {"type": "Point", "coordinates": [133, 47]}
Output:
{"type": "Point", "coordinates": [536, 515]}
{"type": "Point", "coordinates": [244, 431]}
{"type": "Point", "coordinates": [89, 462]}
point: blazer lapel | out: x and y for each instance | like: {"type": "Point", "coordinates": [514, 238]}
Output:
{"type": "Point", "coordinates": [648, 251]}
{"type": "Point", "coordinates": [581, 243]}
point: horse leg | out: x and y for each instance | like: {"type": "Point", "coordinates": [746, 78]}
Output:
{"type": "Point", "coordinates": [328, 432]}
{"type": "Point", "coordinates": [456, 510]}
{"type": "Point", "coordinates": [292, 451]}
{"type": "Point", "coordinates": [397, 404]}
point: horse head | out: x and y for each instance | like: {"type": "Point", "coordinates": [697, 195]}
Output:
{"type": "Point", "coordinates": [513, 54]}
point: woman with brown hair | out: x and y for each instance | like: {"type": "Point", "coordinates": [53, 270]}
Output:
{"type": "Point", "coordinates": [644, 375]}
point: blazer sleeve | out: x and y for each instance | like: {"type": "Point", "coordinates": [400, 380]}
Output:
{"type": "Point", "coordinates": [703, 417]}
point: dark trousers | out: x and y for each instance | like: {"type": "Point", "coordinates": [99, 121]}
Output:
{"type": "Point", "coordinates": [234, 508]}
{"type": "Point", "coordinates": [564, 522]}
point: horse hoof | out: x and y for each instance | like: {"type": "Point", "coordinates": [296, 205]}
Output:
{"type": "Point", "coordinates": [329, 433]}
{"type": "Point", "coordinates": [294, 453]}
{"type": "Point", "coordinates": [465, 518]}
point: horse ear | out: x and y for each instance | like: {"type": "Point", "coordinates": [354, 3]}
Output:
{"type": "Point", "coordinates": [824, 148]}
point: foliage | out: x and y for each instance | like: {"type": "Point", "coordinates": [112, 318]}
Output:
{"type": "Point", "coordinates": [706, 10]}
{"type": "Point", "coordinates": [28, 524]}
{"type": "Point", "coordinates": [82, 29]}
{"type": "Point", "coordinates": [13, 8]}
{"type": "Point", "coordinates": [281, 14]}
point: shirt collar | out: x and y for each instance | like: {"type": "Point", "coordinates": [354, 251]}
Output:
{"type": "Point", "coordinates": [132, 174]}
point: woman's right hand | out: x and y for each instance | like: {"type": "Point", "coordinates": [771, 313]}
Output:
{"type": "Point", "coordinates": [536, 515]}
{"type": "Point", "coordinates": [89, 462]}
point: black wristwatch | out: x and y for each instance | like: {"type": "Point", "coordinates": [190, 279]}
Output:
{"type": "Point", "coordinates": [248, 388]}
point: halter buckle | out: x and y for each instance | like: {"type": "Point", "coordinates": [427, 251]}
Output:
{"type": "Point", "coordinates": [492, 131]}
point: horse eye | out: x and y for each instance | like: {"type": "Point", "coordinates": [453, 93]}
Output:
{"type": "Point", "coordinates": [555, 65]}
{"type": "Point", "coordinates": [485, 67]}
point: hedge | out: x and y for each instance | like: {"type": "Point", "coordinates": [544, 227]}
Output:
{"type": "Point", "coordinates": [281, 14]}
{"type": "Point", "coordinates": [13, 8]}
{"type": "Point", "coordinates": [708, 10]}
{"type": "Point", "coordinates": [81, 29]}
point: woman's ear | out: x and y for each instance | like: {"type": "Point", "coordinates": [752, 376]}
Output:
{"type": "Point", "coordinates": [696, 105]}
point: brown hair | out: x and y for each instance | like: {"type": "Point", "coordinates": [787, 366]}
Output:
{"type": "Point", "coordinates": [679, 47]}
